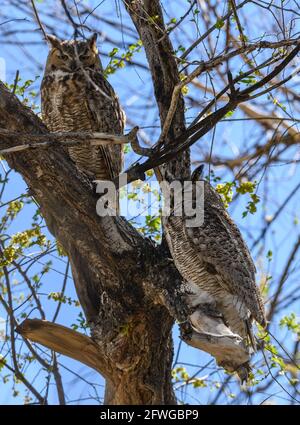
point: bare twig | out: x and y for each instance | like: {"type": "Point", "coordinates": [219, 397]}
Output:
{"type": "Point", "coordinates": [16, 81]}
{"type": "Point", "coordinates": [38, 19]}
{"type": "Point", "coordinates": [283, 279]}
{"type": "Point", "coordinates": [136, 147]}
{"type": "Point", "coordinates": [179, 21]}
{"type": "Point", "coordinates": [34, 141]}
{"type": "Point", "coordinates": [210, 30]}
{"type": "Point", "coordinates": [206, 66]}
{"type": "Point", "coordinates": [62, 292]}
{"type": "Point", "coordinates": [201, 126]}
{"type": "Point", "coordinates": [238, 23]}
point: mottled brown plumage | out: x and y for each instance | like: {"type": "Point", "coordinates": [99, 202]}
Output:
{"type": "Point", "coordinates": [77, 97]}
{"type": "Point", "coordinates": [217, 266]}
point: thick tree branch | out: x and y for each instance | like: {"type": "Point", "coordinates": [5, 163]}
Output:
{"type": "Point", "coordinates": [64, 341]}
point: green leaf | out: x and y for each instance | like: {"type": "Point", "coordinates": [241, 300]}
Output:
{"type": "Point", "coordinates": [2, 362]}
{"type": "Point", "coordinates": [219, 24]}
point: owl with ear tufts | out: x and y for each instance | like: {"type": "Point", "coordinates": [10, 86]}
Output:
{"type": "Point", "coordinates": [77, 97]}
{"type": "Point", "coordinates": [219, 274]}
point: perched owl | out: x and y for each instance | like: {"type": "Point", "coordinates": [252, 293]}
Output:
{"type": "Point", "coordinates": [77, 97]}
{"type": "Point", "coordinates": [216, 264]}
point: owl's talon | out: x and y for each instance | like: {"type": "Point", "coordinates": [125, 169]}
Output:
{"type": "Point", "coordinates": [166, 262]}
{"type": "Point", "coordinates": [186, 331]}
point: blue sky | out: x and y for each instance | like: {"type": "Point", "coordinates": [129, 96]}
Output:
{"type": "Point", "coordinates": [136, 94]}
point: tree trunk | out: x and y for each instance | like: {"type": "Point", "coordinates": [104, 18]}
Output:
{"type": "Point", "coordinates": [143, 360]}
{"type": "Point", "coordinates": [124, 284]}
{"type": "Point", "coordinates": [128, 291]}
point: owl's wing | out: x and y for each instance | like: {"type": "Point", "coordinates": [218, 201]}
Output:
{"type": "Point", "coordinates": [113, 154]}
{"type": "Point", "coordinates": [108, 117]}
{"type": "Point", "coordinates": [114, 158]}
{"type": "Point", "coordinates": [220, 244]}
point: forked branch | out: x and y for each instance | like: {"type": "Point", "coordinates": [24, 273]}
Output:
{"type": "Point", "coordinates": [202, 125]}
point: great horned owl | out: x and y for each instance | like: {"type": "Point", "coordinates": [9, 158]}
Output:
{"type": "Point", "coordinates": [77, 97]}
{"type": "Point", "coordinates": [216, 264]}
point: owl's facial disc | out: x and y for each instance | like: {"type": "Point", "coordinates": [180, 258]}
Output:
{"type": "Point", "coordinates": [71, 56]}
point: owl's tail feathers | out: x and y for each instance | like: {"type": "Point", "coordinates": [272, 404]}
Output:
{"type": "Point", "coordinates": [209, 333]}
{"type": "Point", "coordinates": [262, 319]}
{"type": "Point", "coordinates": [243, 372]}
{"type": "Point", "coordinates": [250, 334]}
{"type": "Point", "coordinates": [257, 309]}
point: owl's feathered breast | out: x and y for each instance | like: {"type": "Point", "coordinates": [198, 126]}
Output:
{"type": "Point", "coordinates": [214, 255]}
{"type": "Point", "coordinates": [84, 101]}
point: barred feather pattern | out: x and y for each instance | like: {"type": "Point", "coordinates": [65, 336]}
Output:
{"type": "Point", "coordinates": [216, 264]}
{"type": "Point", "coordinates": [85, 101]}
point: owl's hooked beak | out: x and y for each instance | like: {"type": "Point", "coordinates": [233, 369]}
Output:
{"type": "Point", "coordinates": [73, 65]}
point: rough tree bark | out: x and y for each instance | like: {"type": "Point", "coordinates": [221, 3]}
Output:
{"type": "Point", "coordinates": [124, 283]}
